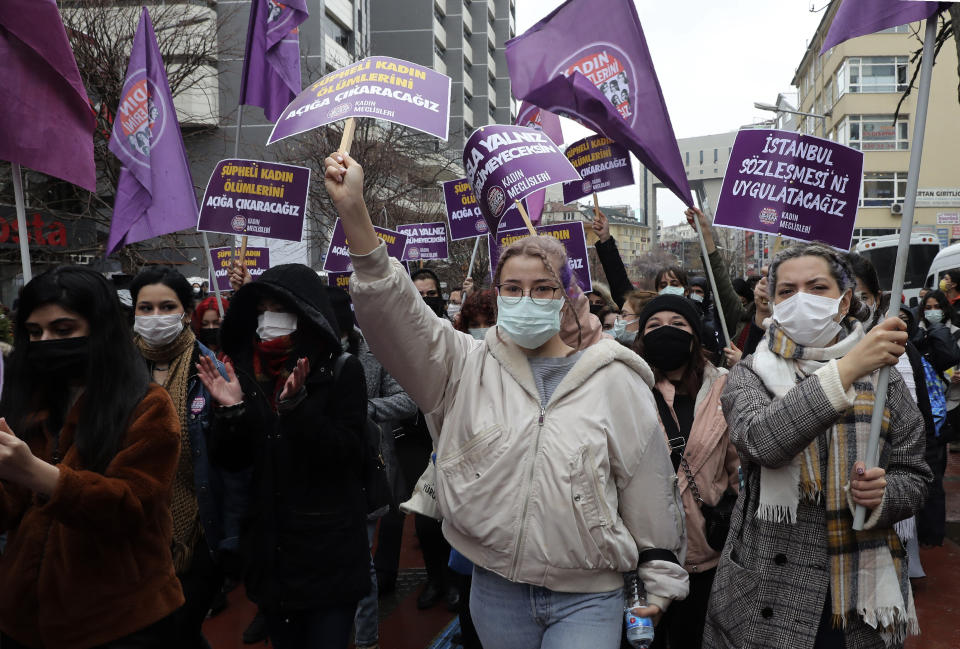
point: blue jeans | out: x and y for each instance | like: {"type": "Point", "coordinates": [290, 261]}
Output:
{"type": "Point", "coordinates": [509, 615]}
{"type": "Point", "coordinates": [367, 622]}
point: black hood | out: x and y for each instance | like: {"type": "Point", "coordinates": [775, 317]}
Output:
{"type": "Point", "coordinates": [295, 285]}
{"type": "Point", "coordinates": [913, 327]}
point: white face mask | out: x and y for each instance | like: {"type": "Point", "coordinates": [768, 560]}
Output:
{"type": "Point", "coordinates": [808, 319]}
{"type": "Point", "coordinates": [696, 297]}
{"type": "Point", "coordinates": [453, 309]}
{"type": "Point", "coordinates": [271, 324]}
{"type": "Point", "coordinates": [672, 290]}
{"type": "Point", "coordinates": [158, 330]}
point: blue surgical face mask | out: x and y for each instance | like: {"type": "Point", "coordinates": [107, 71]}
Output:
{"type": "Point", "coordinates": [627, 338]}
{"type": "Point", "coordinates": [933, 315]}
{"type": "Point", "coordinates": [529, 324]}
{"type": "Point", "coordinates": [672, 290]}
{"type": "Point", "coordinates": [479, 332]}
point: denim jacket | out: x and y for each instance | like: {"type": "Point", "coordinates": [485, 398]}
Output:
{"type": "Point", "coordinates": [222, 495]}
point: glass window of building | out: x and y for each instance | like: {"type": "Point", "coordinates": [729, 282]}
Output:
{"type": "Point", "coordinates": [869, 74]}
{"type": "Point", "coordinates": [883, 188]}
{"type": "Point", "coordinates": [716, 155]}
{"type": "Point", "coordinates": [874, 133]}
{"type": "Point", "coordinates": [687, 156]}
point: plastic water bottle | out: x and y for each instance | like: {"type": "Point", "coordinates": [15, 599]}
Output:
{"type": "Point", "coordinates": [639, 629]}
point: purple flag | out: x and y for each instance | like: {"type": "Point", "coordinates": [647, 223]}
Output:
{"type": "Point", "coordinates": [861, 17]}
{"type": "Point", "coordinates": [271, 63]}
{"type": "Point", "coordinates": [536, 117]}
{"type": "Point", "coordinates": [155, 190]}
{"type": "Point", "coordinates": [608, 83]}
{"type": "Point", "coordinates": [45, 117]}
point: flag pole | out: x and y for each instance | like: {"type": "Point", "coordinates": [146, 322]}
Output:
{"type": "Point", "coordinates": [709, 269]}
{"type": "Point", "coordinates": [473, 257]}
{"type": "Point", "coordinates": [349, 128]}
{"type": "Point", "coordinates": [236, 154]}
{"type": "Point", "coordinates": [526, 218]}
{"type": "Point", "coordinates": [906, 229]}
{"type": "Point", "coordinates": [212, 273]}
{"type": "Point", "coordinates": [596, 206]}
{"type": "Point", "coordinates": [24, 235]}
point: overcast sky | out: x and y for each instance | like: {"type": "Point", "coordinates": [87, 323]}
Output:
{"type": "Point", "coordinates": [714, 59]}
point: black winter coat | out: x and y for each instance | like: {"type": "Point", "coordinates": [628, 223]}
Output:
{"type": "Point", "coordinates": [304, 540]}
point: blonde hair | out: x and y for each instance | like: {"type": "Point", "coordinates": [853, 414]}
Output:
{"type": "Point", "coordinates": [554, 257]}
{"type": "Point", "coordinates": [639, 299]}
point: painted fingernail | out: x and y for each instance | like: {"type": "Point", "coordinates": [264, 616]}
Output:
{"type": "Point", "coordinates": [859, 470]}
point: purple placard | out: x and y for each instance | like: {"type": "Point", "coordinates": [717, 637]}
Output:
{"type": "Point", "coordinates": [800, 186]}
{"type": "Point", "coordinates": [425, 241]}
{"type": "Point", "coordinates": [464, 216]}
{"type": "Point", "coordinates": [377, 86]}
{"type": "Point", "coordinates": [506, 163]}
{"type": "Point", "coordinates": [256, 198]}
{"type": "Point", "coordinates": [340, 280]}
{"type": "Point", "coordinates": [601, 162]}
{"type": "Point", "coordinates": [257, 261]}
{"type": "Point", "coordinates": [338, 256]}
{"type": "Point", "coordinates": [571, 235]}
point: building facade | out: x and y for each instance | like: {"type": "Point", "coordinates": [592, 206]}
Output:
{"type": "Point", "coordinates": [856, 87]}
{"type": "Point", "coordinates": [465, 40]}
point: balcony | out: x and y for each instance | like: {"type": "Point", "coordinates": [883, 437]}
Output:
{"type": "Point", "coordinates": [491, 12]}
{"type": "Point", "coordinates": [468, 83]}
{"type": "Point", "coordinates": [468, 115]}
{"type": "Point", "coordinates": [439, 33]}
{"type": "Point", "coordinates": [438, 64]}
{"type": "Point", "coordinates": [467, 51]}
{"type": "Point", "coordinates": [491, 37]}
{"type": "Point", "coordinates": [491, 94]}
{"type": "Point", "coordinates": [491, 65]}
{"type": "Point", "coordinates": [441, 6]}
{"type": "Point", "coordinates": [341, 11]}
{"type": "Point", "coordinates": [467, 19]}
{"type": "Point", "coordinates": [336, 55]}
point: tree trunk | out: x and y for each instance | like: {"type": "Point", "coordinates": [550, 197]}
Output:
{"type": "Point", "coordinates": [955, 17]}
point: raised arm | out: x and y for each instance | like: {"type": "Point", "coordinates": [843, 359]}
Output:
{"type": "Point", "coordinates": [733, 310]}
{"type": "Point", "coordinates": [423, 352]}
{"type": "Point", "coordinates": [613, 268]}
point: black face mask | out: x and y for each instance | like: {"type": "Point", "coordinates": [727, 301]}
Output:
{"type": "Point", "coordinates": [436, 304]}
{"type": "Point", "coordinates": [595, 309]}
{"type": "Point", "coordinates": [209, 337]}
{"type": "Point", "coordinates": [65, 358]}
{"type": "Point", "coordinates": [667, 348]}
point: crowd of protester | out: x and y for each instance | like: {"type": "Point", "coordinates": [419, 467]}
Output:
{"type": "Point", "coordinates": [545, 441]}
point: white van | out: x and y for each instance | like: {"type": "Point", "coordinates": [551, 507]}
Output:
{"type": "Point", "coordinates": [882, 252]}
{"type": "Point", "coordinates": [945, 260]}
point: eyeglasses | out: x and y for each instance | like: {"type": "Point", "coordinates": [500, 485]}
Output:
{"type": "Point", "coordinates": [542, 295]}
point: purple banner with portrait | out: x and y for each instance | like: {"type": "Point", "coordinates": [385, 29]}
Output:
{"type": "Point", "coordinates": [602, 164]}
{"type": "Point", "coordinates": [571, 235]}
{"type": "Point", "coordinates": [506, 163]}
{"type": "Point", "coordinates": [464, 215]}
{"type": "Point", "coordinates": [799, 186]}
{"type": "Point", "coordinates": [425, 241]}
{"type": "Point", "coordinates": [337, 259]}
{"type": "Point", "coordinates": [378, 86]}
{"type": "Point", "coordinates": [257, 260]}
{"type": "Point", "coordinates": [256, 198]}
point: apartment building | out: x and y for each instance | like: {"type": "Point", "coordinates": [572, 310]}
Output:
{"type": "Point", "coordinates": [854, 89]}
{"type": "Point", "coordinates": [465, 40]}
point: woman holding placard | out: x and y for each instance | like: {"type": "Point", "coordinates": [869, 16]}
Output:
{"type": "Point", "coordinates": [548, 481]}
{"type": "Point", "coordinates": [793, 572]}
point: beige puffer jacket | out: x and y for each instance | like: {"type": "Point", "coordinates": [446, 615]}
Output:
{"type": "Point", "coordinates": [563, 497]}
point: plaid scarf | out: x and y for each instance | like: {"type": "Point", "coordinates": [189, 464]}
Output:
{"type": "Point", "coordinates": [868, 575]}
{"type": "Point", "coordinates": [183, 502]}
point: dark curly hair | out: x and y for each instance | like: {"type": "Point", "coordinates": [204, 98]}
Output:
{"type": "Point", "coordinates": [480, 306]}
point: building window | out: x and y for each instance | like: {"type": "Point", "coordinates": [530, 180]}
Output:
{"type": "Point", "coordinates": [716, 155]}
{"type": "Point", "coordinates": [440, 51]}
{"type": "Point", "coordinates": [436, 14]}
{"type": "Point", "coordinates": [883, 188]}
{"type": "Point", "coordinates": [687, 155]}
{"type": "Point", "coordinates": [873, 133]}
{"type": "Point", "coordinates": [467, 66]}
{"type": "Point", "coordinates": [701, 156]}
{"type": "Point", "coordinates": [867, 74]}
{"type": "Point", "coordinates": [899, 29]}
{"type": "Point", "coordinates": [467, 95]}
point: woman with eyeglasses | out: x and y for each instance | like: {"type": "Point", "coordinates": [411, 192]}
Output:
{"type": "Point", "coordinates": [625, 328]}
{"type": "Point", "coordinates": [687, 394]}
{"type": "Point", "coordinates": [552, 475]}
{"type": "Point", "coordinates": [88, 454]}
